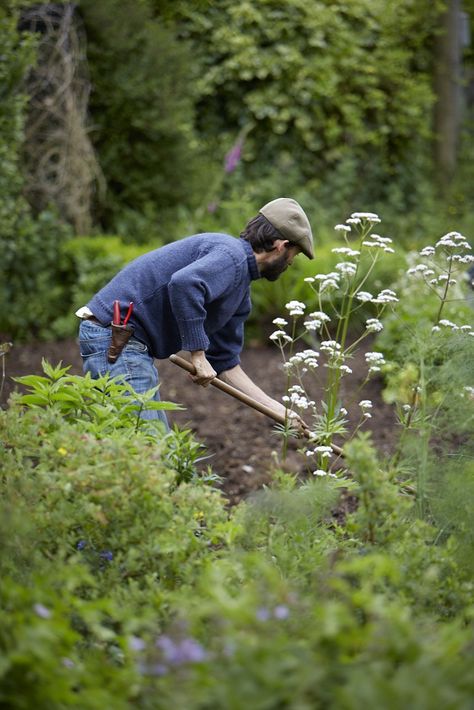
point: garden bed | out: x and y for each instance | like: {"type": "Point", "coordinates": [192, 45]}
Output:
{"type": "Point", "coordinates": [239, 441]}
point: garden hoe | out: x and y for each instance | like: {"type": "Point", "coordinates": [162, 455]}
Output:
{"type": "Point", "coordinates": [234, 392]}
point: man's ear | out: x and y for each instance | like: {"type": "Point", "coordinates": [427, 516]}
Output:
{"type": "Point", "coordinates": [280, 245]}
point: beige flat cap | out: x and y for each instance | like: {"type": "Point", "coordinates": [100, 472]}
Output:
{"type": "Point", "coordinates": [289, 218]}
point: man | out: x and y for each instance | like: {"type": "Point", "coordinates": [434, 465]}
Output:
{"type": "Point", "coordinates": [194, 295]}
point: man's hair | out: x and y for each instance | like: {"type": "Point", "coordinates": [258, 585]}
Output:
{"type": "Point", "coordinates": [260, 234]}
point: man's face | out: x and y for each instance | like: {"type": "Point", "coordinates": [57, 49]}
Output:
{"type": "Point", "coordinates": [275, 267]}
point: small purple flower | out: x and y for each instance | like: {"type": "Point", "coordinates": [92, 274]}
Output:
{"type": "Point", "coordinates": [136, 643]}
{"type": "Point", "coordinates": [156, 669]}
{"type": "Point", "coordinates": [67, 663]}
{"type": "Point", "coordinates": [191, 651]}
{"type": "Point", "coordinates": [107, 555]}
{"type": "Point", "coordinates": [167, 645]}
{"type": "Point", "coordinates": [232, 159]}
{"type": "Point", "coordinates": [262, 614]}
{"type": "Point", "coordinates": [281, 612]}
{"type": "Point", "coordinates": [212, 207]}
{"type": "Point", "coordinates": [81, 545]}
{"type": "Point", "coordinates": [178, 652]}
{"type": "Point", "coordinates": [42, 611]}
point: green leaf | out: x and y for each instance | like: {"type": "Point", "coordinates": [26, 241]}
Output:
{"type": "Point", "coordinates": [170, 406]}
{"type": "Point", "coordinates": [31, 380]}
{"type": "Point", "coordinates": [33, 399]}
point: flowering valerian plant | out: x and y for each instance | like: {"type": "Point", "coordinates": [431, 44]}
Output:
{"type": "Point", "coordinates": [438, 266]}
{"type": "Point", "coordinates": [330, 324]}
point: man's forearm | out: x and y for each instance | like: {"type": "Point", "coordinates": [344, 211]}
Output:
{"type": "Point", "coordinates": [239, 379]}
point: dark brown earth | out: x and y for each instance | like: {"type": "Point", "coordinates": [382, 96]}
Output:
{"type": "Point", "coordinates": [241, 443]}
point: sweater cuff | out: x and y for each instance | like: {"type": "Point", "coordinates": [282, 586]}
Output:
{"type": "Point", "coordinates": [193, 335]}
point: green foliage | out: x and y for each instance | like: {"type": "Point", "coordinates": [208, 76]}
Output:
{"type": "Point", "coordinates": [46, 661]}
{"type": "Point", "coordinates": [99, 486]}
{"type": "Point", "coordinates": [380, 507]}
{"type": "Point", "coordinates": [142, 107]}
{"type": "Point", "coordinates": [123, 588]}
{"type": "Point", "coordinates": [269, 299]}
{"type": "Point", "coordinates": [103, 405]}
{"type": "Point", "coordinates": [31, 292]}
{"type": "Point", "coordinates": [327, 85]}
{"type": "Point", "coordinates": [87, 264]}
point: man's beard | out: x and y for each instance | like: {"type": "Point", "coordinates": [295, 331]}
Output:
{"type": "Point", "coordinates": [274, 269]}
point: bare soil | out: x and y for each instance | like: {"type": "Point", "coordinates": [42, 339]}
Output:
{"type": "Point", "coordinates": [241, 443]}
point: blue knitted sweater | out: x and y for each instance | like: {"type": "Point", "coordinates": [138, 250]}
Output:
{"type": "Point", "coordinates": [193, 294]}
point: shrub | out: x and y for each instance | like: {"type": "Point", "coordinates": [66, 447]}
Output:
{"type": "Point", "coordinates": [32, 292]}
{"type": "Point", "coordinates": [142, 107]}
{"type": "Point", "coordinates": [87, 264]}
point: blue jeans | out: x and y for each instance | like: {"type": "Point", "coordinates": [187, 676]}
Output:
{"type": "Point", "coordinates": [134, 365]}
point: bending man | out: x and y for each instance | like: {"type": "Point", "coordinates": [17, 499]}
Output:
{"type": "Point", "coordinates": [194, 295]}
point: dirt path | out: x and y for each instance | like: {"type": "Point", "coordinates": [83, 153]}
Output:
{"type": "Point", "coordinates": [241, 442]}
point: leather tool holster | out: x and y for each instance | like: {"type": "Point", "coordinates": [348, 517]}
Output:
{"type": "Point", "coordinates": [121, 334]}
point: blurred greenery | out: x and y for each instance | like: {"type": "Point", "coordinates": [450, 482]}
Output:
{"type": "Point", "coordinates": [332, 105]}
{"type": "Point", "coordinates": [124, 587]}
{"type": "Point", "coordinates": [126, 580]}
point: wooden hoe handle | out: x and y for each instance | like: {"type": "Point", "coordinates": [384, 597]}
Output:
{"type": "Point", "coordinates": [234, 392]}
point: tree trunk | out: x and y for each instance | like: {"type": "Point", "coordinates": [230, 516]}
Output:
{"type": "Point", "coordinates": [448, 89]}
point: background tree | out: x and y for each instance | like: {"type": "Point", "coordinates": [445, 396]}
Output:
{"type": "Point", "coordinates": [142, 106]}
{"type": "Point", "coordinates": [449, 91]}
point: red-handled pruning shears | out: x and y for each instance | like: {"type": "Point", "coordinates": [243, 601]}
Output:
{"type": "Point", "coordinates": [117, 317]}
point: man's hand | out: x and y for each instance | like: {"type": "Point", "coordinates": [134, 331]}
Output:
{"type": "Point", "coordinates": [204, 370]}
{"type": "Point", "coordinates": [299, 425]}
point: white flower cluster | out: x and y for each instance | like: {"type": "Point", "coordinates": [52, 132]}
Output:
{"type": "Point", "coordinates": [326, 281]}
{"type": "Point", "coordinates": [368, 216]}
{"type": "Point", "coordinates": [442, 279]}
{"type": "Point", "coordinates": [280, 337]}
{"type": "Point", "coordinates": [444, 323]}
{"type": "Point", "coordinates": [364, 296]}
{"type": "Point", "coordinates": [342, 228]}
{"type": "Point", "coordinates": [297, 398]}
{"type": "Point", "coordinates": [375, 241]}
{"type": "Point", "coordinates": [324, 451]}
{"type": "Point", "coordinates": [295, 308]}
{"type": "Point", "coordinates": [386, 296]}
{"type": "Point", "coordinates": [316, 320]}
{"type": "Point", "coordinates": [305, 359]}
{"type": "Point", "coordinates": [374, 361]}
{"type": "Point", "coordinates": [346, 268]}
{"type": "Point", "coordinates": [421, 269]}
{"type": "Point", "coordinates": [280, 322]}
{"type": "Point", "coordinates": [453, 246]}
{"type": "Point", "coordinates": [320, 472]}
{"type": "Point", "coordinates": [453, 240]}
{"type": "Point", "coordinates": [335, 356]}
{"type": "Point", "coordinates": [331, 347]}
{"type": "Point", "coordinates": [373, 325]}
{"type": "Point", "coordinates": [467, 259]}
{"type": "Point", "coordinates": [365, 405]}
{"type": "Point", "coordinates": [346, 251]}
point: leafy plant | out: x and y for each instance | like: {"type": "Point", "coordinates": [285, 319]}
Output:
{"type": "Point", "coordinates": [32, 293]}
{"type": "Point", "coordinates": [339, 294]}
{"type": "Point", "coordinates": [104, 404]}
